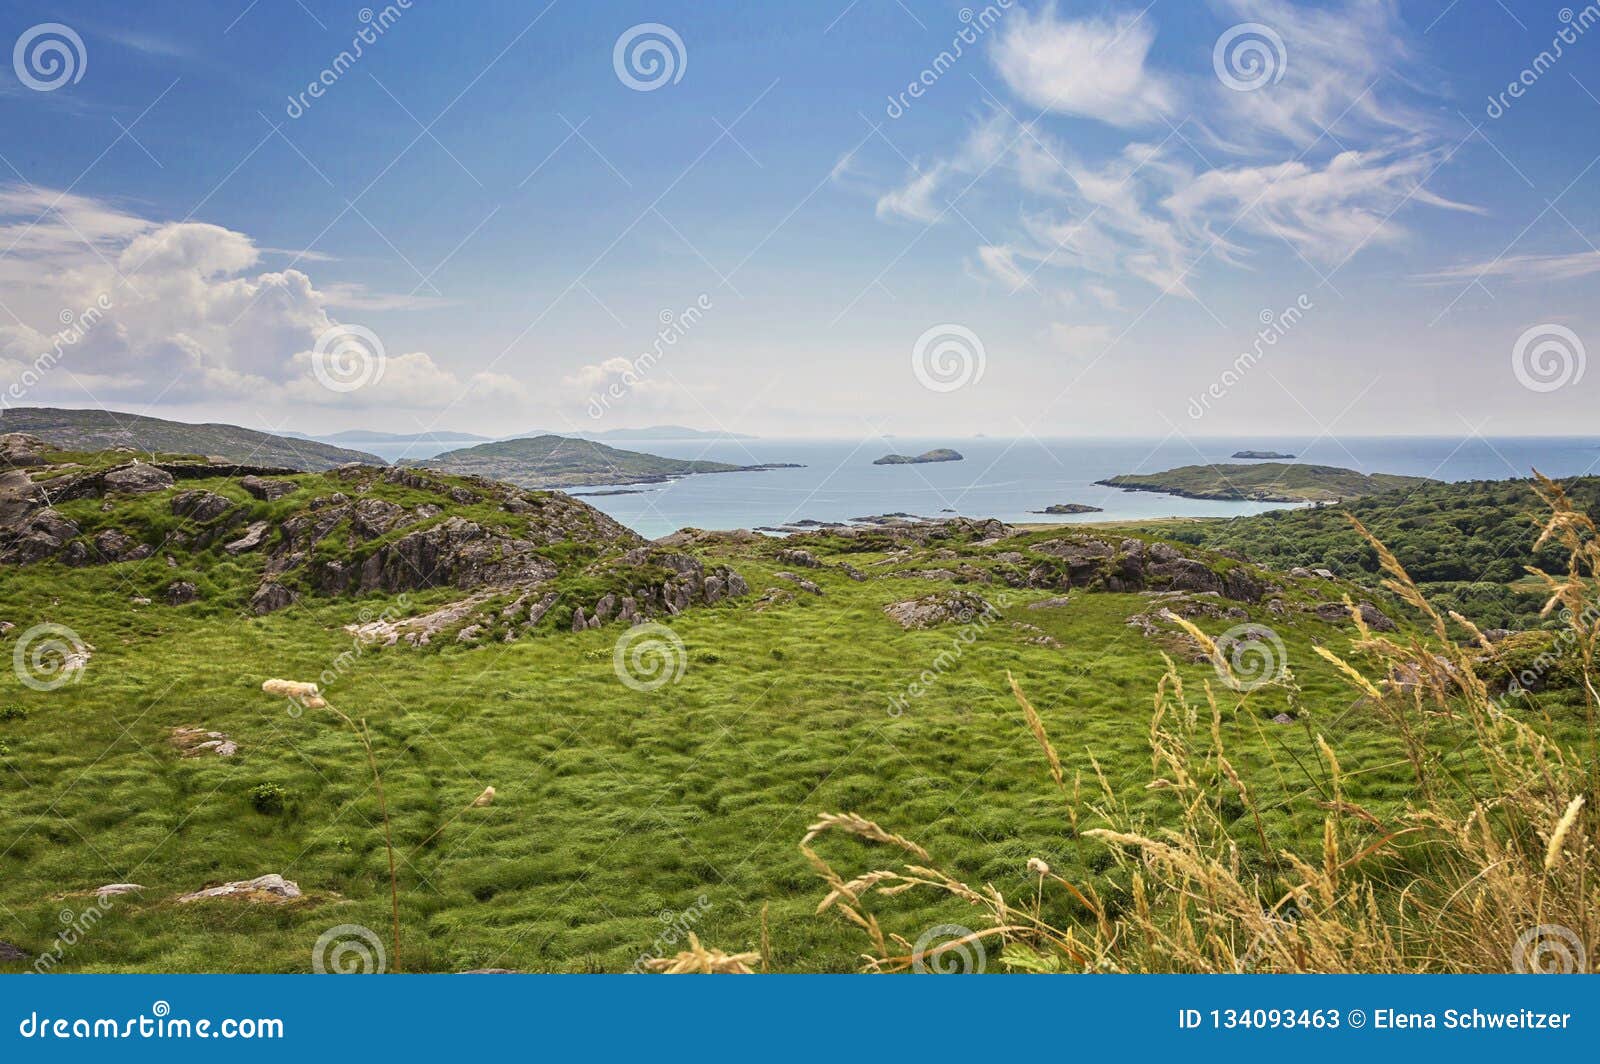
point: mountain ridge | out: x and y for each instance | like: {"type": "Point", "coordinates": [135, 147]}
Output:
{"type": "Point", "coordinates": [96, 430]}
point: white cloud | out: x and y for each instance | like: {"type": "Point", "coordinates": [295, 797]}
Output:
{"type": "Point", "coordinates": [1338, 66]}
{"type": "Point", "coordinates": [916, 198]}
{"type": "Point", "coordinates": [352, 296]}
{"type": "Point", "coordinates": [1152, 209]}
{"type": "Point", "coordinates": [1092, 67]}
{"type": "Point", "coordinates": [184, 318]}
{"type": "Point", "coordinates": [1001, 262]}
{"type": "Point", "coordinates": [1327, 213]}
{"type": "Point", "coordinates": [1520, 269]}
{"type": "Point", "coordinates": [1106, 297]}
{"type": "Point", "coordinates": [989, 143]}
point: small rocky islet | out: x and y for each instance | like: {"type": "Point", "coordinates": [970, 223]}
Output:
{"type": "Point", "coordinates": [938, 454]}
{"type": "Point", "coordinates": [1070, 508]}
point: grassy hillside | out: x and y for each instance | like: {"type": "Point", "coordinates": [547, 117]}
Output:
{"type": "Point", "coordinates": [618, 808]}
{"type": "Point", "coordinates": [1264, 482]}
{"type": "Point", "coordinates": [559, 461]}
{"type": "Point", "coordinates": [93, 430]}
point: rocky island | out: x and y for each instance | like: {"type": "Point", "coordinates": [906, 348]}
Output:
{"type": "Point", "coordinates": [1267, 482]}
{"type": "Point", "coordinates": [563, 462]}
{"type": "Point", "coordinates": [1070, 508]}
{"type": "Point", "coordinates": [938, 454]}
{"type": "Point", "coordinates": [1261, 454]}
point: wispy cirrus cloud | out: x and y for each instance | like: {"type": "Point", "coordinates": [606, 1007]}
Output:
{"type": "Point", "coordinates": [1520, 269]}
{"type": "Point", "coordinates": [1337, 78]}
{"type": "Point", "coordinates": [1153, 210]}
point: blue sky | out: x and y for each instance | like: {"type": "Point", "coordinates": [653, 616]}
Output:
{"type": "Point", "coordinates": [1081, 193]}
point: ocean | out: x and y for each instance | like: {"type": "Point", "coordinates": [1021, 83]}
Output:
{"type": "Point", "coordinates": [1009, 478]}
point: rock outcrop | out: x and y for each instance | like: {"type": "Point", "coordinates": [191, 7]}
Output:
{"type": "Point", "coordinates": [1339, 613]}
{"type": "Point", "coordinates": [198, 742]}
{"type": "Point", "coordinates": [954, 606]}
{"type": "Point", "coordinates": [268, 888]}
{"type": "Point", "coordinates": [1131, 565]}
{"type": "Point", "coordinates": [267, 490]}
{"type": "Point", "coordinates": [179, 592]}
{"type": "Point", "coordinates": [22, 449]}
{"type": "Point", "coordinates": [672, 583]}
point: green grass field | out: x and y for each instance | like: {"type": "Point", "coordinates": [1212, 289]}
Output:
{"type": "Point", "coordinates": [613, 806]}
{"type": "Point", "coordinates": [622, 817]}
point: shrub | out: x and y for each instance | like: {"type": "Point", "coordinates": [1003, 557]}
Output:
{"type": "Point", "coordinates": [269, 798]}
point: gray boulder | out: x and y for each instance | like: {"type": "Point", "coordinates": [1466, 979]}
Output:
{"type": "Point", "coordinates": [270, 596]}
{"type": "Point", "coordinates": [201, 506]}
{"type": "Point", "coordinates": [254, 535]}
{"type": "Point", "coordinates": [180, 591]}
{"type": "Point", "coordinates": [267, 490]}
{"type": "Point", "coordinates": [136, 479]}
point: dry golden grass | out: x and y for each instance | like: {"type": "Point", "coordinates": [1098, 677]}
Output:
{"type": "Point", "coordinates": [1495, 844]}
{"type": "Point", "coordinates": [698, 960]}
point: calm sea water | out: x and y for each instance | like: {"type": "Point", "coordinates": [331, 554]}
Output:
{"type": "Point", "coordinates": [1008, 478]}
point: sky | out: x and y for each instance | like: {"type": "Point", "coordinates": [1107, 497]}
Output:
{"type": "Point", "coordinates": [811, 219]}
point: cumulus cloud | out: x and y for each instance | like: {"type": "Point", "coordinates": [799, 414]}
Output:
{"type": "Point", "coordinates": [1094, 67]}
{"type": "Point", "coordinates": [181, 314]}
{"type": "Point", "coordinates": [617, 383]}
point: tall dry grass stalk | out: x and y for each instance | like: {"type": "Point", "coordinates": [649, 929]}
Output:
{"type": "Point", "coordinates": [1494, 844]}
{"type": "Point", "coordinates": [310, 696]}
{"type": "Point", "coordinates": [699, 960]}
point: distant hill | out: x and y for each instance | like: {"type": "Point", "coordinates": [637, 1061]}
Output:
{"type": "Point", "coordinates": [560, 462]}
{"type": "Point", "coordinates": [651, 432]}
{"type": "Point", "coordinates": [1265, 482]}
{"type": "Point", "coordinates": [96, 430]}
{"type": "Point", "coordinates": [373, 436]}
